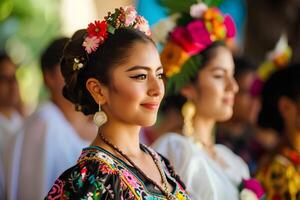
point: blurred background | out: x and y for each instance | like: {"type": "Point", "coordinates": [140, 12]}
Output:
{"type": "Point", "coordinates": [27, 26]}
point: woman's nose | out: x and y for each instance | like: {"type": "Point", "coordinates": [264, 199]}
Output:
{"type": "Point", "coordinates": [156, 87]}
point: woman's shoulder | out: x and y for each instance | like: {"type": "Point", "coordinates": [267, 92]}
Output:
{"type": "Point", "coordinates": [172, 139]}
{"type": "Point", "coordinates": [227, 153]}
{"type": "Point", "coordinates": [95, 175]}
{"type": "Point", "coordinates": [237, 167]}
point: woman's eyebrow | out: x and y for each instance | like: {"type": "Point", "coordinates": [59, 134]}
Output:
{"type": "Point", "coordinates": [142, 67]}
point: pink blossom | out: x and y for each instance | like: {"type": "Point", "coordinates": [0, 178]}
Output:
{"type": "Point", "coordinates": [197, 10]}
{"type": "Point", "coordinates": [181, 37]}
{"type": "Point", "coordinates": [130, 15]}
{"type": "Point", "coordinates": [253, 185]}
{"type": "Point", "coordinates": [91, 43]}
{"type": "Point", "coordinates": [142, 25]}
{"type": "Point", "coordinates": [199, 34]}
{"type": "Point", "coordinates": [230, 26]}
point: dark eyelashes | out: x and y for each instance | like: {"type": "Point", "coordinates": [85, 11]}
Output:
{"type": "Point", "coordinates": [144, 76]}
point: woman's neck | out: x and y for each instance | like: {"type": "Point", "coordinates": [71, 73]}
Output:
{"type": "Point", "coordinates": [124, 137]}
{"type": "Point", "coordinates": [203, 130]}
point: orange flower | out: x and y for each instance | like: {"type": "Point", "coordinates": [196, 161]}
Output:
{"type": "Point", "coordinates": [172, 58]}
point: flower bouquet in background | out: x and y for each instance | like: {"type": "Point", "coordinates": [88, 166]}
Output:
{"type": "Point", "coordinates": [251, 189]}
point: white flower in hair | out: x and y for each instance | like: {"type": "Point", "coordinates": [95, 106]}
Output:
{"type": "Point", "coordinates": [281, 47]}
{"type": "Point", "coordinates": [197, 10]}
{"type": "Point", "coordinates": [161, 29]}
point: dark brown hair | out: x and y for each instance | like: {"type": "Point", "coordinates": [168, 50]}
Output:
{"type": "Point", "coordinates": [207, 55]}
{"type": "Point", "coordinates": [114, 51]}
{"type": "Point", "coordinates": [283, 83]}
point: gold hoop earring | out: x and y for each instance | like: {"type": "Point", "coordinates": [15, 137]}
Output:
{"type": "Point", "coordinates": [100, 117]}
{"type": "Point", "coordinates": [188, 112]}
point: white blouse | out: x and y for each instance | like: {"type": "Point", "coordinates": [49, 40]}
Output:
{"type": "Point", "coordinates": [204, 178]}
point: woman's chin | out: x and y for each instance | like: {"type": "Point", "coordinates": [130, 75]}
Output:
{"type": "Point", "coordinates": [225, 115]}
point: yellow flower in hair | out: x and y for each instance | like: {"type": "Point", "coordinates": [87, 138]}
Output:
{"type": "Point", "coordinates": [220, 31]}
{"type": "Point", "coordinates": [172, 58]}
{"type": "Point", "coordinates": [209, 14]}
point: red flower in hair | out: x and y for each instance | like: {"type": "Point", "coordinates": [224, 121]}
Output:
{"type": "Point", "coordinates": [98, 29]}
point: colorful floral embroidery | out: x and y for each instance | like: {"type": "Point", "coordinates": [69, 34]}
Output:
{"type": "Point", "coordinates": [99, 175]}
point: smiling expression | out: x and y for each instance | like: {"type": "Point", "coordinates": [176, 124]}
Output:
{"type": "Point", "coordinates": [215, 87]}
{"type": "Point", "coordinates": [137, 88]}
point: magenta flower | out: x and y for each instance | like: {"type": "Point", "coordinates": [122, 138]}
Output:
{"type": "Point", "coordinates": [199, 34]}
{"type": "Point", "coordinates": [256, 87]}
{"type": "Point", "coordinates": [182, 37]}
{"type": "Point", "coordinates": [230, 26]}
{"type": "Point", "coordinates": [253, 185]}
{"type": "Point", "coordinates": [91, 44]}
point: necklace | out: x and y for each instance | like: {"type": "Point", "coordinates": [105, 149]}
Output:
{"type": "Point", "coordinates": [165, 189]}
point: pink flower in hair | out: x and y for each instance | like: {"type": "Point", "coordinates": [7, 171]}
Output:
{"type": "Point", "coordinates": [199, 34]}
{"type": "Point", "coordinates": [130, 15]}
{"type": "Point", "coordinates": [91, 43]}
{"type": "Point", "coordinates": [229, 24]}
{"type": "Point", "coordinates": [142, 25]}
{"type": "Point", "coordinates": [182, 38]}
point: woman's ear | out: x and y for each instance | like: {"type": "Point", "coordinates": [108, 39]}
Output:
{"type": "Point", "coordinates": [188, 92]}
{"type": "Point", "coordinates": [97, 90]}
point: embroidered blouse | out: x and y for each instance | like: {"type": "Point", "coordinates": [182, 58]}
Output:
{"type": "Point", "coordinates": [99, 174]}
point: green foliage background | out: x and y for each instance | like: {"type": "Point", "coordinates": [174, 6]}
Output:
{"type": "Point", "coordinates": [26, 27]}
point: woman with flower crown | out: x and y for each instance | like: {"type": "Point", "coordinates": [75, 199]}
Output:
{"type": "Point", "coordinates": [112, 69]}
{"type": "Point", "coordinates": [200, 67]}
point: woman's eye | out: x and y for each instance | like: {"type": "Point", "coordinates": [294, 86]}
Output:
{"type": "Point", "coordinates": [218, 76]}
{"type": "Point", "coordinates": [160, 76]}
{"type": "Point", "coordinates": [140, 77]}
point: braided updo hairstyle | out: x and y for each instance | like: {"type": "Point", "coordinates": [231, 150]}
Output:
{"type": "Point", "coordinates": [99, 64]}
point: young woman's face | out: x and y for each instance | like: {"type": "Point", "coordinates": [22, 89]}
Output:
{"type": "Point", "coordinates": [215, 87]}
{"type": "Point", "coordinates": [137, 88]}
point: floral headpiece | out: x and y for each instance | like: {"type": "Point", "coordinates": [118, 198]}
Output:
{"type": "Point", "coordinates": [99, 31]}
{"type": "Point", "coordinates": [277, 59]}
{"type": "Point", "coordinates": [188, 34]}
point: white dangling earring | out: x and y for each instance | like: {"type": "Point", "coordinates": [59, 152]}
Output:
{"type": "Point", "coordinates": [100, 117]}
